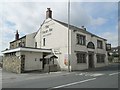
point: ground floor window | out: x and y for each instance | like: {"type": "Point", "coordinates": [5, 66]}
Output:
{"type": "Point", "coordinates": [100, 58]}
{"type": "Point", "coordinates": [81, 57]}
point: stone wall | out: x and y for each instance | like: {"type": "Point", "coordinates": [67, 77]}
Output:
{"type": "Point", "coordinates": [20, 42]}
{"type": "Point", "coordinates": [12, 63]}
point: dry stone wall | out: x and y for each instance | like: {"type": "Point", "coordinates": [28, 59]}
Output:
{"type": "Point", "coordinates": [12, 63]}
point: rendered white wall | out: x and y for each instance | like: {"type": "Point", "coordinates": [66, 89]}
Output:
{"type": "Point", "coordinates": [55, 39]}
{"type": "Point", "coordinates": [30, 41]}
{"type": "Point", "coordinates": [30, 63]}
{"type": "Point", "coordinates": [58, 39]}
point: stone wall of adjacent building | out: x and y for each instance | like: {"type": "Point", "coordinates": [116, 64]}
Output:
{"type": "Point", "coordinates": [12, 64]}
{"type": "Point", "coordinates": [18, 43]}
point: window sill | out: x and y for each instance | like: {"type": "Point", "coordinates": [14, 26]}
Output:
{"type": "Point", "coordinates": [80, 44]}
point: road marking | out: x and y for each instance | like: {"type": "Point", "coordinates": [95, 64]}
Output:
{"type": "Point", "coordinates": [114, 73]}
{"type": "Point", "coordinates": [91, 74]}
{"type": "Point", "coordinates": [97, 74]}
{"type": "Point", "coordinates": [73, 83]}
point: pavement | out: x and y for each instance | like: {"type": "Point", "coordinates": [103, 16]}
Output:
{"type": "Point", "coordinates": [105, 77]}
{"type": "Point", "coordinates": [9, 77]}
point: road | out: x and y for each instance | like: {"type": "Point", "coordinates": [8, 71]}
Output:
{"type": "Point", "coordinates": [105, 77]}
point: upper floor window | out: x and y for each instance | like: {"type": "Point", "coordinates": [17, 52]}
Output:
{"type": "Point", "coordinates": [35, 44]}
{"type": "Point", "coordinates": [108, 47]}
{"type": "Point", "coordinates": [81, 39]}
{"type": "Point", "coordinates": [11, 45]}
{"type": "Point", "coordinates": [43, 41]}
{"type": "Point", "coordinates": [91, 45]}
{"type": "Point", "coordinates": [23, 44]}
{"type": "Point", "coordinates": [50, 29]}
{"type": "Point", "coordinates": [19, 44]}
{"type": "Point", "coordinates": [99, 44]}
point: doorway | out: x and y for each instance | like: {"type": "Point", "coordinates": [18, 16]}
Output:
{"type": "Point", "coordinates": [44, 60]}
{"type": "Point", "coordinates": [22, 63]}
{"type": "Point", "coordinates": [91, 60]}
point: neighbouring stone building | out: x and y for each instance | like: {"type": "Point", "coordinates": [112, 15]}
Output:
{"type": "Point", "coordinates": [48, 47]}
{"type": "Point", "coordinates": [115, 54]}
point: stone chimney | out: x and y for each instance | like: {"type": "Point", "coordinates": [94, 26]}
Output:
{"type": "Point", "coordinates": [16, 35]}
{"type": "Point", "coordinates": [48, 13]}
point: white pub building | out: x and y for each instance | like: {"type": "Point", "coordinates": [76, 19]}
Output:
{"type": "Point", "coordinates": [48, 49]}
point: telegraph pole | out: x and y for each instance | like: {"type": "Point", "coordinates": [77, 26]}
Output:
{"type": "Point", "coordinates": [68, 35]}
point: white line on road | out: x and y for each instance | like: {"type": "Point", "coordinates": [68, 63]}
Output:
{"type": "Point", "coordinates": [114, 73]}
{"type": "Point", "coordinates": [73, 83]}
{"type": "Point", "coordinates": [91, 74]}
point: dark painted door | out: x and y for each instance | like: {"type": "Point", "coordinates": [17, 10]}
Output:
{"type": "Point", "coordinates": [44, 60]}
{"type": "Point", "coordinates": [91, 61]}
{"type": "Point", "coordinates": [22, 63]}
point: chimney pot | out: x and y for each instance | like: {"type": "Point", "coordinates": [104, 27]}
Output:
{"type": "Point", "coordinates": [16, 35]}
{"type": "Point", "coordinates": [48, 8]}
{"type": "Point", "coordinates": [48, 13]}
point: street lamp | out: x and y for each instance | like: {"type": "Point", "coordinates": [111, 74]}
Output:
{"type": "Point", "coordinates": [68, 35]}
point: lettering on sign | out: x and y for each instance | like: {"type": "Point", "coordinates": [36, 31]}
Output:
{"type": "Point", "coordinates": [46, 26]}
{"type": "Point", "coordinates": [57, 51]}
{"type": "Point", "coordinates": [47, 32]}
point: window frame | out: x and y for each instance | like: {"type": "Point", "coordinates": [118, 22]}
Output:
{"type": "Point", "coordinates": [100, 44]}
{"type": "Point", "coordinates": [81, 57]}
{"type": "Point", "coordinates": [100, 58]}
{"type": "Point", "coordinates": [35, 44]}
{"type": "Point", "coordinates": [80, 39]}
{"type": "Point", "coordinates": [44, 40]}
{"type": "Point", "coordinates": [91, 45]}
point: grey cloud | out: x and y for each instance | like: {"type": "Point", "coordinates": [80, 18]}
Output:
{"type": "Point", "coordinates": [111, 37]}
{"type": "Point", "coordinates": [29, 15]}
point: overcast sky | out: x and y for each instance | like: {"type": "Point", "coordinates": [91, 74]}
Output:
{"type": "Point", "coordinates": [100, 18]}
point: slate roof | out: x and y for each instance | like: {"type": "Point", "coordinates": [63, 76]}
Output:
{"type": "Point", "coordinates": [72, 27]}
{"type": "Point", "coordinates": [50, 56]}
{"type": "Point", "coordinates": [23, 37]}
